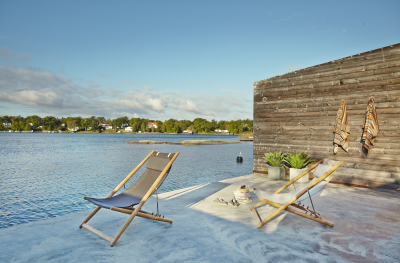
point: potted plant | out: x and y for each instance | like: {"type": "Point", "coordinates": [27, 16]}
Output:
{"type": "Point", "coordinates": [298, 163]}
{"type": "Point", "coordinates": [276, 170]}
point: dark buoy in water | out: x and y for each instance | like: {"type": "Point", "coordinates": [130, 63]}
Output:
{"type": "Point", "coordinates": [239, 159]}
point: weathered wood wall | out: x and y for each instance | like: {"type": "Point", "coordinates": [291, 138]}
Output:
{"type": "Point", "coordinates": [300, 112]}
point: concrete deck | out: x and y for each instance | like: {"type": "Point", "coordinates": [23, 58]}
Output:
{"type": "Point", "coordinates": [367, 229]}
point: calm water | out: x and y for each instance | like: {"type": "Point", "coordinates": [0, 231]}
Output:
{"type": "Point", "coordinates": [44, 175]}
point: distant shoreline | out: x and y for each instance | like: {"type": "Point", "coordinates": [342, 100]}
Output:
{"type": "Point", "coordinates": [150, 133]}
{"type": "Point", "coordinates": [188, 142]}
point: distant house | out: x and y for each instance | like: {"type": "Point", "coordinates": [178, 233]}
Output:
{"type": "Point", "coordinates": [153, 125]}
{"type": "Point", "coordinates": [106, 126]}
{"type": "Point", "coordinates": [74, 129]}
{"type": "Point", "coordinates": [31, 124]}
{"type": "Point", "coordinates": [219, 130]}
{"type": "Point", "coordinates": [187, 131]}
{"type": "Point", "coordinates": [124, 125]}
{"type": "Point", "coordinates": [6, 124]}
{"type": "Point", "coordinates": [128, 129]}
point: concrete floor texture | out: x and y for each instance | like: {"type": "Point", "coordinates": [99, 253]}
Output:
{"type": "Point", "coordinates": [366, 229]}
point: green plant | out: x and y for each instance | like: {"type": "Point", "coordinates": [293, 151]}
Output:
{"type": "Point", "coordinates": [276, 159]}
{"type": "Point", "coordinates": [298, 161]}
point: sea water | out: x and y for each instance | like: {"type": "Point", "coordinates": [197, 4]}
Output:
{"type": "Point", "coordinates": [44, 175]}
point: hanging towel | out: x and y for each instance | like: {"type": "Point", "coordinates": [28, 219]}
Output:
{"type": "Point", "coordinates": [341, 130]}
{"type": "Point", "coordinates": [371, 127]}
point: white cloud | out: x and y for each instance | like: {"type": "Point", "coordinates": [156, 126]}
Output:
{"type": "Point", "coordinates": [291, 67]}
{"type": "Point", "coordinates": [289, 17]}
{"type": "Point", "coordinates": [189, 105]}
{"type": "Point", "coordinates": [10, 56]}
{"type": "Point", "coordinates": [128, 114]}
{"type": "Point", "coordinates": [6, 52]}
{"type": "Point", "coordinates": [44, 97]}
{"type": "Point", "coordinates": [156, 104]}
{"type": "Point", "coordinates": [24, 57]}
{"type": "Point", "coordinates": [230, 91]}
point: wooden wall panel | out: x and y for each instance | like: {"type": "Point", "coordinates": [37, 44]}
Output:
{"type": "Point", "coordinates": [301, 108]}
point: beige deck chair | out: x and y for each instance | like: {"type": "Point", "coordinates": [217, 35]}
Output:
{"type": "Point", "coordinates": [322, 175]}
{"type": "Point", "coordinates": [158, 167]}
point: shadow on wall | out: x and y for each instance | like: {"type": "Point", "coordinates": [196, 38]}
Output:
{"type": "Point", "coordinates": [395, 186]}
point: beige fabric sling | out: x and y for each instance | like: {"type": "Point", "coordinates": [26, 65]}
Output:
{"type": "Point", "coordinates": [341, 129]}
{"type": "Point", "coordinates": [371, 127]}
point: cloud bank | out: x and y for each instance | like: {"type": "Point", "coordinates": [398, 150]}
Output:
{"type": "Point", "coordinates": [8, 55]}
{"type": "Point", "coordinates": [60, 96]}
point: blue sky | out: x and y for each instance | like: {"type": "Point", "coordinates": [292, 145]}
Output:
{"type": "Point", "coordinates": [171, 59]}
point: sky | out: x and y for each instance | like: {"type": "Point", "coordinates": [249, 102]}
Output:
{"type": "Point", "coordinates": [178, 59]}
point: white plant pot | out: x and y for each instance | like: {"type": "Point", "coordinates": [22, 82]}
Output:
{"type": "Point", "coordinates": [295, 172]}
{"type": "Point", "coordinates": [276, 173]}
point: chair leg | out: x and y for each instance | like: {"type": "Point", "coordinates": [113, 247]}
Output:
{"type": "Point", "coordinates": [280, 209]}
{"type": "Point", "coordinates": [257, 215]}
{"type": "Point", "coordinates": [122, 230]}
{"type": "Point", "coordinates": [131, 217]}
{"type": "Point", "coordinates": [90, 216]}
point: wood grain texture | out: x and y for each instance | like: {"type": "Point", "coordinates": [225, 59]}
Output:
{"type": "Point", "coordinates": [301, 108]}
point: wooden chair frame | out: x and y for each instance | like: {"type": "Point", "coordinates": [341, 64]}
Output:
{"type": "Point", "coordinates": [131, 211]}
{"type": "Point", "coordinates": [313, 215]}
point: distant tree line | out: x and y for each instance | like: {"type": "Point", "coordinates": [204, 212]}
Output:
{"type": "Point", "coordinates": [94, 124]}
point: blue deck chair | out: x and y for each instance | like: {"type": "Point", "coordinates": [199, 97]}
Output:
{"type": "Point", "coordinates": [158, 166]}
